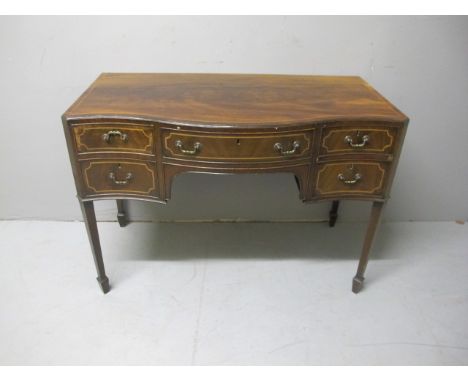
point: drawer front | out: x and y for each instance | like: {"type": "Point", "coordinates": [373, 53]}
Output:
{"type": "Point", "coordinates": [119, 176]}
{"type": "Point", "coordinates": [366, 178]}
{"type": "Point", "coordinates": [119, 138]}
{"type": "Point", "coordinates": [242, 147]}
{"type": "Point", "coordinates": [343, 140]}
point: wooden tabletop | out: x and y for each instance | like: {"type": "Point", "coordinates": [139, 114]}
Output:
{"type": "Point", "coordinates": [233, 99]}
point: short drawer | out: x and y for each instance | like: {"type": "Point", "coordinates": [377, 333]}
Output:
{"type": "Point", "coordinates": [366, 178]}
{"type": "Point", "coordinates": [242, 147]}
{"type": "Point", "coordinates": [119, 138]}
{"type": "Point", "coordinates": [119, 177]}
{"type": "Point", "coordinates": [348, 140]}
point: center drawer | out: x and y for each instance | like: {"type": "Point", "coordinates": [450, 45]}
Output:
{"type": "Point", "coordinates": [241, 147]}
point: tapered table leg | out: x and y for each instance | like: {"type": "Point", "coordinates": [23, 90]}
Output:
{"type": "Point", "coordinates": [121, 214]}
{"type": "Point", "coordinates": [91, 227]}
{"type": "Point", "coordinates": [333, 215]}
{"type": "Point", "coordinates": [374, 221]}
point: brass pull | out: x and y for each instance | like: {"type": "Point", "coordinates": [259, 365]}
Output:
{"type": "Point", "coordinates": [356, 178]}
{"type": "Point", "coordinates": [279, 147]}
{"type": "Point", "coordinates": [120, 182]}
{"type": "Point", "coordinates": [107, 136]}
{"type": "Point", "coordinates": [348, 139]}
{"type": "Point", "coordinates": [196, 148]}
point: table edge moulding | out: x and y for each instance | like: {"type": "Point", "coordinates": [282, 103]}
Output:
{"type": "Point", "coordinates": [129, 134]}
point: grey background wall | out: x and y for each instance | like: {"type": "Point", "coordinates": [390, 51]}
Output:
{"type": "Point", "coordinates": [419, 63]}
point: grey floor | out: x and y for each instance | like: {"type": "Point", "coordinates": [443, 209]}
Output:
{"type": "Point", "coordinates": [236, 294]}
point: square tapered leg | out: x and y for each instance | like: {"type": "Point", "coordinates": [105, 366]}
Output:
{"type": "Point", "coordinates": [89, 217]}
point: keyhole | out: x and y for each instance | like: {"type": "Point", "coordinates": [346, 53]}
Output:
{"type": "Point", "coordinates": [238, 142]}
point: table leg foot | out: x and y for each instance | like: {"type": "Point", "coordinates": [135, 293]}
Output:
{"type": "Point", "coordinates": [358, 283]}
{"type": "Point", "coordinates": [121, 215]}
{"type": "Point", "coordinates": [376, 213]}
{"type": "Point", "coordinates": [122, 220]}
{"type": "Point", "coordinates": [333, 214]}
{"type": "Point", "coordinates": [104, 284]}
{"type": "Point", "coordinates": [89, 218]}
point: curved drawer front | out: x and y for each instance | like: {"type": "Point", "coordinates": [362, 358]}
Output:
{"type": "Point", "coordinates": [348, 140]}
{"type": "Point", "coordinates": [119, 177]}
{"type": "Point", "coordinates": [114, 137]}
{"type": "Point", "coordinates": [359, 178]}
{"type": "Point", "coordinates": [241, 147]}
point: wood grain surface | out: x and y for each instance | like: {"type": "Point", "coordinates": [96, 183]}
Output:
{"type": "Point", "coordinates": [233, 99]}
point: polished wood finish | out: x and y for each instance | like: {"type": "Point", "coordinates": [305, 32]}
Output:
{"type": "Point", "coordinates": [114, 137]}
{"type": "Point", "coordinates": [365, 140]}
{"type": "Point", "coordinates": [351, 178]}
{"type": "Point", "coordinates": [227, 99]}
{"type": "Point", "coordinates": [115, 176]}
{"type": "Point", "coordinates": [237, 147]}
{"type": "Point", "coordinates": [129, 135]}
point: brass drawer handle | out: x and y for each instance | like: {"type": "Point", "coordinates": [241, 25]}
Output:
{"type": "Point", "coordinates": [356, 178]}
{"type": "Point", "coordinates": [279, 147]}
{"type": "Point", "coordinates": [120, 182]}
{"type": "Point", "coordinates": [348, 139]}
{"type": "Point", "coordinates": [196, 148]}
{"type": "Point", "coordinates": [107, 136]}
